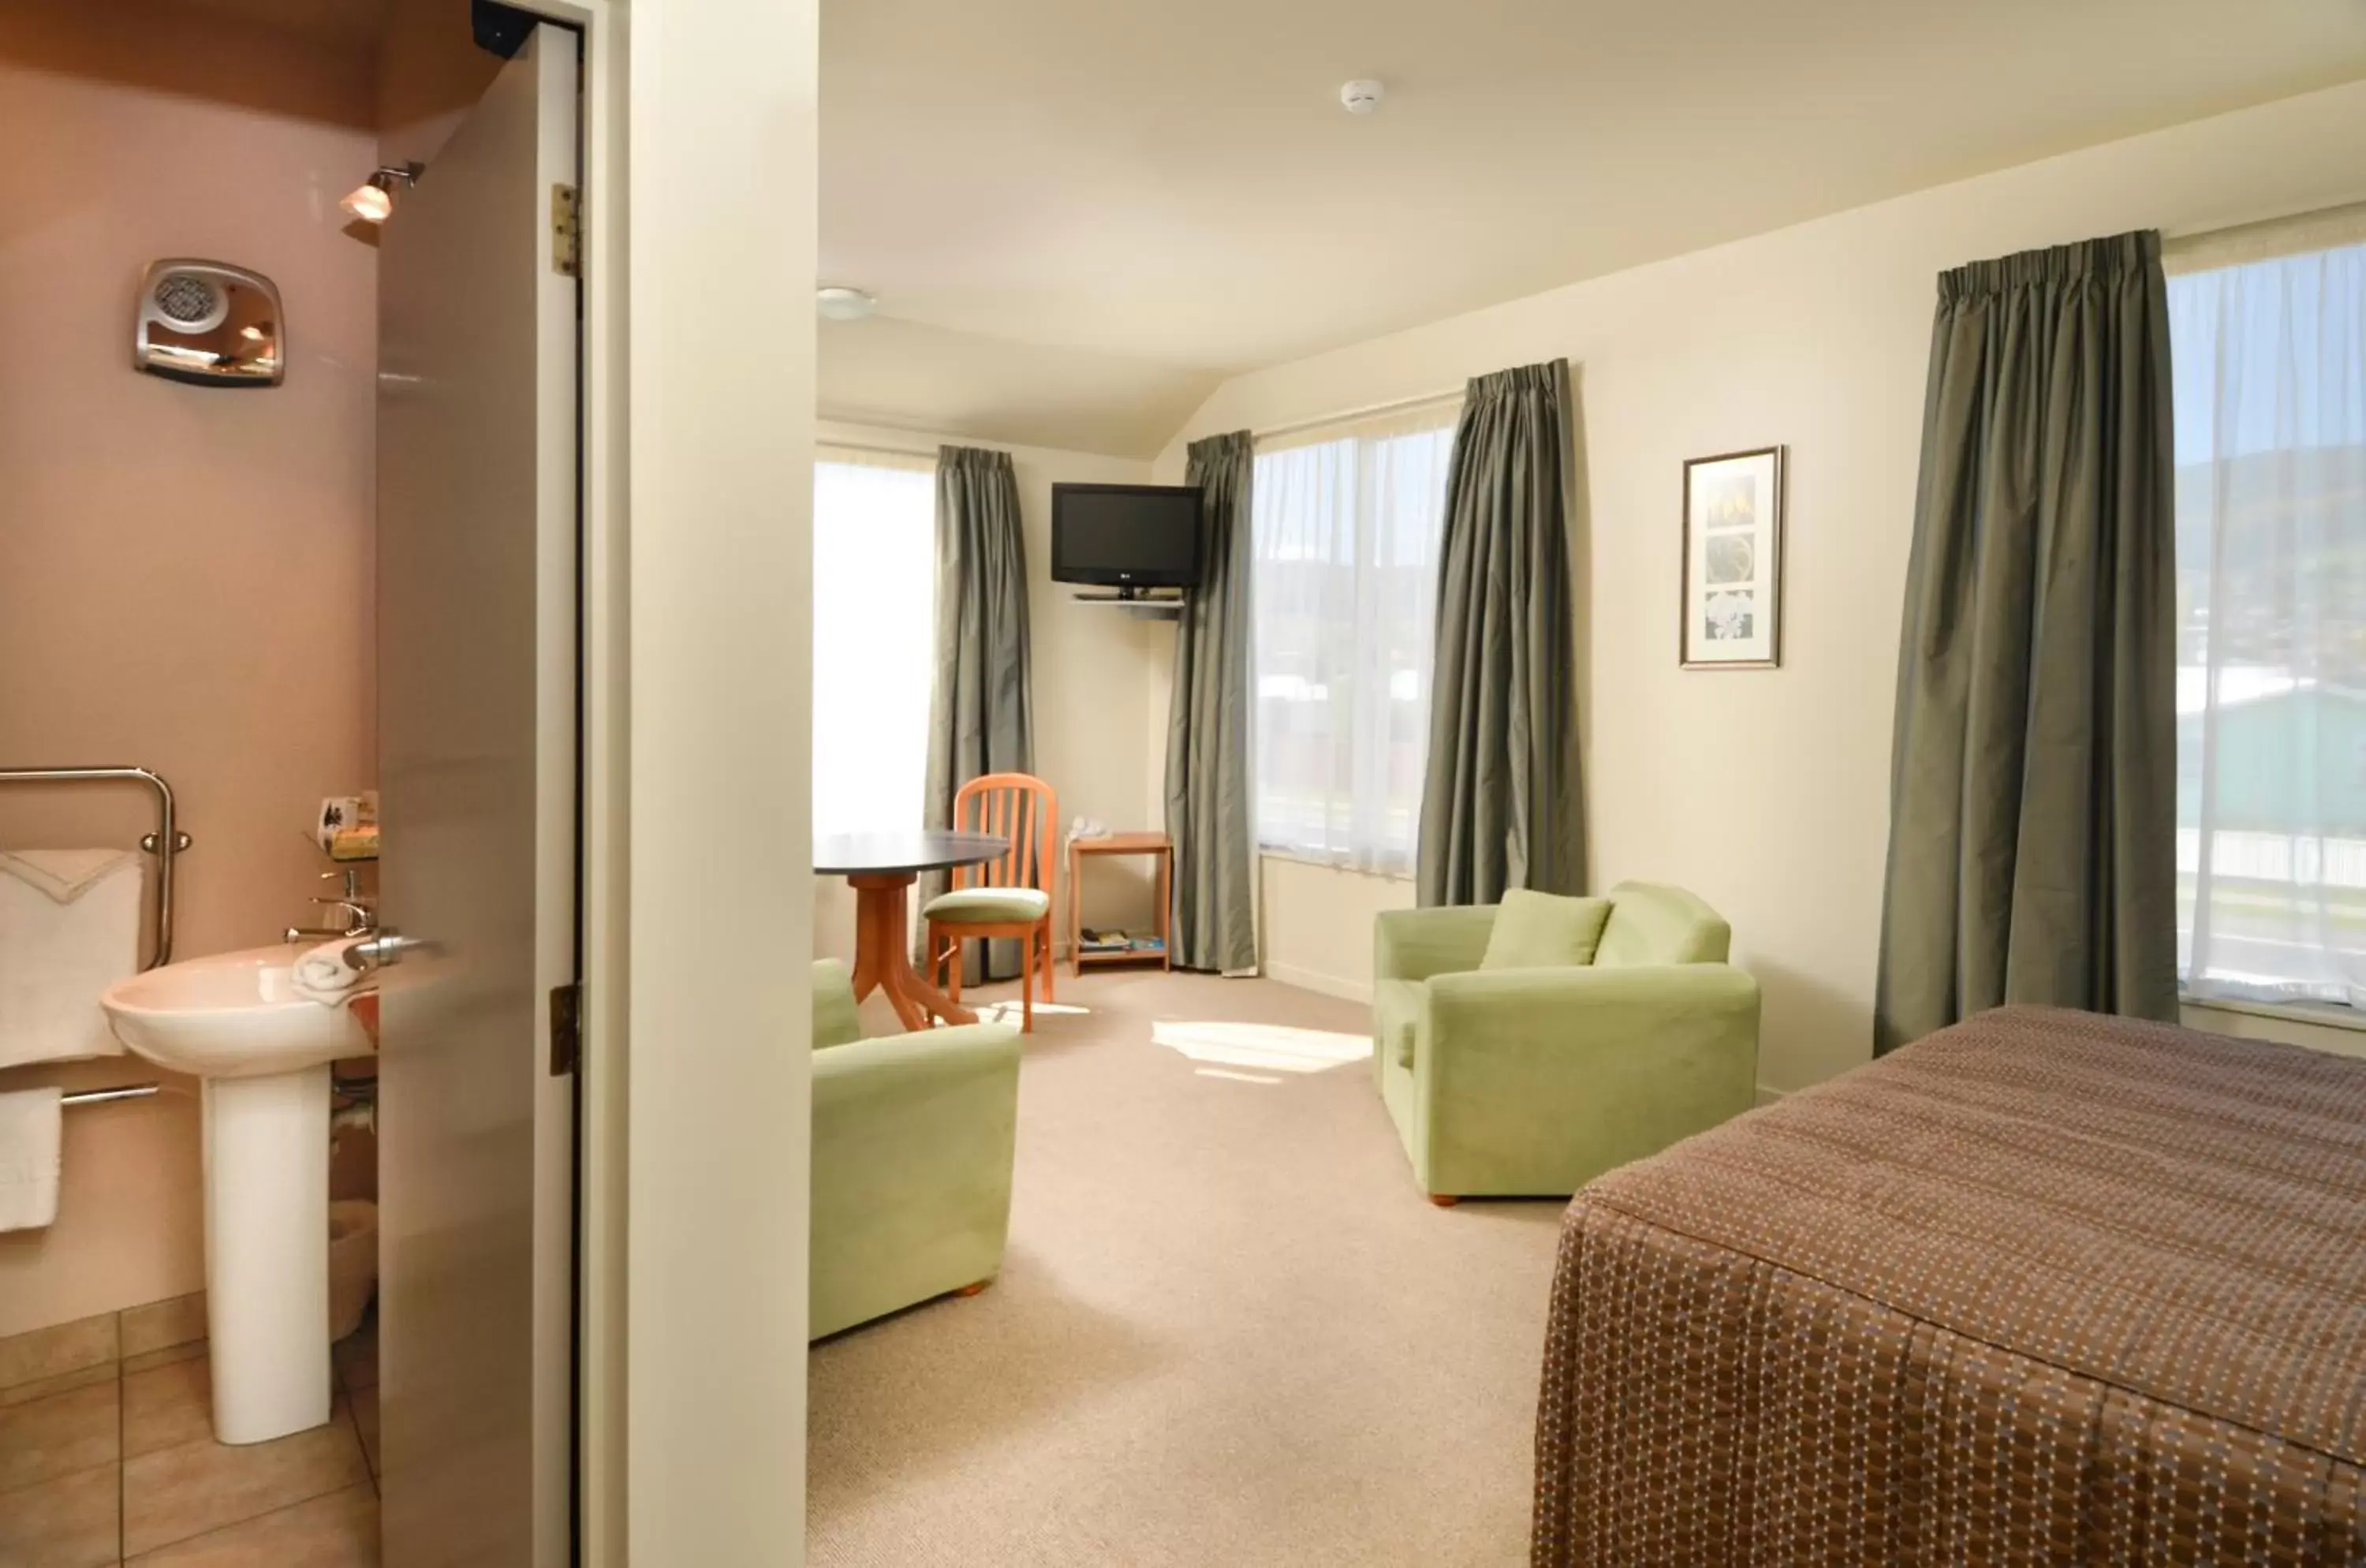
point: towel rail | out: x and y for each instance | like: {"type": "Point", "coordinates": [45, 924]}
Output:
{"type": "Point", "coordinates": [165, 843]}
{"type": "Point", "coordinates": [100, 1096]}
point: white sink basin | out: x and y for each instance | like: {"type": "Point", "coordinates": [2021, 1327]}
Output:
{"type": "Point", "coordinates": [233, 1015]}
{"type": "Point", "coordinates": [236, 1021]}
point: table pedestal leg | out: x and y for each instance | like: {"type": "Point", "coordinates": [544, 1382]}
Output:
{"type": "Point", "coordinates": [883, 953]}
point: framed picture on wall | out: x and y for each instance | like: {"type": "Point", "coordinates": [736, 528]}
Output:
{"type": "Point", "coordinates": [1733, 562]}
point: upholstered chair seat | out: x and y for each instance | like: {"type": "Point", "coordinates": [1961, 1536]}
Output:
{"type": "Point", "coordinates": [996, 906]}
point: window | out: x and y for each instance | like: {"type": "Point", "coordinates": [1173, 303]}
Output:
{"type": "Point", "coordinates": [1346, 524]}
{"type": "Point", "coordinates": [2270, 362]}
{"type": "Point", "coordinates": [875, 590]}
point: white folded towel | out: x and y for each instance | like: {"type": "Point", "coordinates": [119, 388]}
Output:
{"type": "Point", "coordinates": [70, 923]}
{"type": "Point", "coordinates": [324, 973]}
{"type": "Point", "coordinates": [64, 875]}
{"type": "Point", "coordinates": [30, 1123]}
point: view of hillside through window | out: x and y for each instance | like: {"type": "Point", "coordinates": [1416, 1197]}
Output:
{"type": "Point", "coordinates": [1347, 532]}
{"type": "Point", "coordinates": [2270, 410]}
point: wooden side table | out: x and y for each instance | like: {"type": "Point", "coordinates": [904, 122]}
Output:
{"type": "Point", "coordinates": [1160, 848]}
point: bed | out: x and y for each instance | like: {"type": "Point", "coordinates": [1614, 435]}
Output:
{"type": "Point", "coordinates": [2045, 1287]}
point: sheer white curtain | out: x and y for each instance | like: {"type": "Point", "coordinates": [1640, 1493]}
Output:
{"type": "Point", "coordinates": [2270, 392]}
{"type": "Point", "coordinates": [1346, 524]}
{"type": "Point", "coordinates": [874, 585]}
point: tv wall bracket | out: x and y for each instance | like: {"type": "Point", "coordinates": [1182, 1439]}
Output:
{"type": "Point", "coordinates": [1142, 604]}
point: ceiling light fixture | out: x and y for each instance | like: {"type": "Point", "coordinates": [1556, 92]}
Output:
{"type": "Point", "coordinates": [1360, 97]}
{"type": "Point", "coordinates": [372, 201]}
{"type": "Point", "coordinates": [839, 303]}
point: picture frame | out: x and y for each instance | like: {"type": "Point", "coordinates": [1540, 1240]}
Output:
{"type": "Point", "coordinates": [1731, 617]}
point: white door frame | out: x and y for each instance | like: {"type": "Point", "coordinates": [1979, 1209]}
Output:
{"type": "Point", "coordinates": [699, 253]}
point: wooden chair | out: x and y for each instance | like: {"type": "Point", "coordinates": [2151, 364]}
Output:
{"type": "Point", "coordinates": [1009, 897]}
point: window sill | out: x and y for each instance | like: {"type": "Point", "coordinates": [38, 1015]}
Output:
{"type": "Point", "coordinates": [2324, 1015]}
{"type": "Point", "coordinates": [1264, 854]}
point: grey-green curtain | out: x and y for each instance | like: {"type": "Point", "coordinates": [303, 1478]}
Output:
{"type": "Point", "coordinates": [981, 717]}
{"type": "Point", "coordinates": [1207, 808]}
{"type": "Point", "coordinates": [1499, 804]}
{"type": "Point", "coordinates": [2033, 777]}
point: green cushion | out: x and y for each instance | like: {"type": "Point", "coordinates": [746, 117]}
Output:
{"type": "Point", "coordinates": [990, 905]}
{"type": "Point", "coordinates": [1545, 931]}
{"type": "Point", "coordinates": [1655, 924]}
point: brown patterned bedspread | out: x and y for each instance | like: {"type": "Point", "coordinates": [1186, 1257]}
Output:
{"type": "Point", "coordinates": [2045, 1287]}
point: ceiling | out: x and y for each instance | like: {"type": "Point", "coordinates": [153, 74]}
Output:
{"type": "Point", "coordinates": [901, 373]}
{"type": "Point", "coordinates": [1079, 214]}
{"type": "Point", "coordinates": [352, 23]}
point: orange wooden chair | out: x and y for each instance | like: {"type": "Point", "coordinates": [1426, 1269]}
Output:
{"type": "Point", "coordinates": [1008, 897]}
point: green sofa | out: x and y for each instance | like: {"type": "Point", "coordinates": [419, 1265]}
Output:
{"type": "Point", "coordinates": [913, 1137]}
{"type": "Point", "coordinates": [1532, 1082]}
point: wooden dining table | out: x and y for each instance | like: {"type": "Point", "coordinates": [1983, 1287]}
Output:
{"type": "Point", "coordinates": [882, 868]}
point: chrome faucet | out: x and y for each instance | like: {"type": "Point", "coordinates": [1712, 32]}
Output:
{"type": "Point", "coordinates": [360, 918]}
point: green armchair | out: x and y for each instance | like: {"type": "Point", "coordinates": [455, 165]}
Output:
{"type": "Point", "coordinates": [1532, 1082]}
{"type": "Point", "coordinates": [913, 1137]}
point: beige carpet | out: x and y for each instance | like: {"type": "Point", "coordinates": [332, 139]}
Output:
{"type": "Point", "coordinates": [1229, 1330]}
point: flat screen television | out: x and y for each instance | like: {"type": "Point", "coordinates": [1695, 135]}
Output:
{"type": "Point", "coordinates": [1126, 537]}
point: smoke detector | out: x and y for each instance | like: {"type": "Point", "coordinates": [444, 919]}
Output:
{"type": "Point", "coordinates": [1359, 96]}
{"type": "Point", "coordinates": [839, 303]}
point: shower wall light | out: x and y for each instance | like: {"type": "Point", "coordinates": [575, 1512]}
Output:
{"type": "Point", "coordinates": [372, 201]}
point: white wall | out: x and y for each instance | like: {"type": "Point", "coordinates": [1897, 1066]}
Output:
{"type": "Point", "coordinates": [1315, 923]}
{"type": "Point", "coordinates": [1091, 670]}
{"type": "Point", "coordinates": [1767, 792]}
{"type": "Point", "coordinates": [700, 1456]}
{"type": "Point", "coordinates": [2318, 1027]}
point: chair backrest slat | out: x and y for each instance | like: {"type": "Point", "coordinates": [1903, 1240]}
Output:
{"type": "Point", "coordinates": [1023, 811]}
{"type": "Point", "coordinates": [1020, 842]}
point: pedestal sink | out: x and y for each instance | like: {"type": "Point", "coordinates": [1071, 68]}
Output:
{"type": "Point", "coordinates": [236, 1021]}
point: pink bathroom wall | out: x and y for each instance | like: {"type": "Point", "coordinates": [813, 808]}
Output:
{"type": "Point", "coordinates": [185, 572]}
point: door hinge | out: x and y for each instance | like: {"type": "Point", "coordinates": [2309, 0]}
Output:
{"type": "Point", "coordinates": [566, 1028]}
{"type": "Point", "coordinates": [566, 231]}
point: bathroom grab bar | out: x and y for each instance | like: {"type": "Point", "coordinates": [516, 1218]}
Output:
{"type": "Point", "coordinates": [165, 843]}
{"type": "Point", "coordinates": [101, 1096]}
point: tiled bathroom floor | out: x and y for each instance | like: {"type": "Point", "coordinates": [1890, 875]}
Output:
{"type": "Point", "coordinates": [107, 1455]}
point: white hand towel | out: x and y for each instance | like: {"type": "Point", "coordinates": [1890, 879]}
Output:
{"type": "Point", "coordinates": [64, 875]}
{"type": "Point", "coordinates": [324, 973]}
{"type": "Point", "coordinates": [30, 1128]}
{"type": "Point", "coordinates": [59, 956]}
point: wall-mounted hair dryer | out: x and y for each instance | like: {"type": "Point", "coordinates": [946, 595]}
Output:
{"type": "Point", "coordinates": [209, 323]}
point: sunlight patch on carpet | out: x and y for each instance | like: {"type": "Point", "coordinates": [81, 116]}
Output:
{"type": "Point", "coordinates": [1010, 1012]}
{"type": "Point", "coordinates": [1270, 1047]}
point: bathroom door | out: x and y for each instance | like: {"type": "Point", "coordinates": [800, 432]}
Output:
{"type": "Point", "coordinates": [478, 652]}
